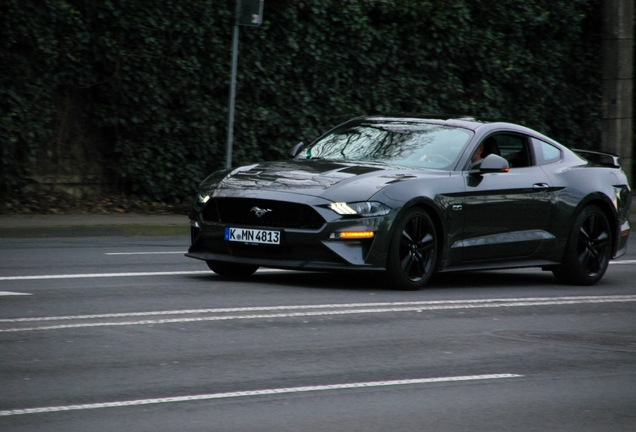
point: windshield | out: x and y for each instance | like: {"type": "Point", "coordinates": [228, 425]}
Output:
{"type": "Point", "coordinates": [411, 144]}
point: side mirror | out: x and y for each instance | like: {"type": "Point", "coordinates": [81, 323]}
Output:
{"type": "Point", "coordinates": [295, 150]}
{"type": "Point", "coordinates": [493, 163]}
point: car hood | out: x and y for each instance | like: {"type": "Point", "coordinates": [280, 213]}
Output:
{"type": "Point", "coordinates": [332, 180]}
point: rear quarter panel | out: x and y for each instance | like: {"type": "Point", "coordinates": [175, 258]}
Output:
{"type": "Point", "coordinates": [581, 185]}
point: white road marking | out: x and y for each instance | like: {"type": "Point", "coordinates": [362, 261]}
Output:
{"type": "Point", "coordinates": [144, 253]}
{"type": "Point", "coordinates": [173, 273]}
{"type": "Point", "coordinates": [9, 293]}
{"type": "Point", "coordinates": [623, 262]}
{"type": "Point", "coordinates": [104, 275]}
{"type": "Point", "coordinates": [578, 299]}
{"type": "Point", "coordinates": [334, 309]}
{"type": "Point", "coordinates": [264, 392]}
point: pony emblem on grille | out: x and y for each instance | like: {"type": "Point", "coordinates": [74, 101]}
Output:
{"type": "Point", "coordinates": [259, 212]}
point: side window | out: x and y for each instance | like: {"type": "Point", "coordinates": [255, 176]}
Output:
{"type": "Point", "coordinates": [514, 148]}
{"type": "Point", "coordinates": [545, 153]}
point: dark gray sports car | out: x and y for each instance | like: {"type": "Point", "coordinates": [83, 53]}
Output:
{"type": "Point", "coordinates": [411, 196]}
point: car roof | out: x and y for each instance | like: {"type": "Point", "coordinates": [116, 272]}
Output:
{"type": "Point", "coordinates": [467, 122]}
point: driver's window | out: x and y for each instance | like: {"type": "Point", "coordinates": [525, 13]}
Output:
{"type": "Point", "coordinates": [514, 148]}
{"type": "Point", "coordinates": [487, 147]}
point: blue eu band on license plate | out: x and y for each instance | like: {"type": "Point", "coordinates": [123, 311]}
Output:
{"type": "Point", "coordinates": [245, 235]}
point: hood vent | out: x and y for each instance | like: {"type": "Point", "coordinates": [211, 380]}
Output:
{"type": "Point", "coordinates": [357, 170]}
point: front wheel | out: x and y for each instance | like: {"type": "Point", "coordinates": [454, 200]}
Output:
{"type": "Point", "coordinates": [587, 252]}
{"type": "Point", "coordinates": [231, 269]}
{"type": "Point", "coordinates": [413, 251]}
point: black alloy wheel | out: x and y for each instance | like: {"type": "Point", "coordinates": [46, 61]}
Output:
{"type": "Point", "coordinates": [232, 270]}
{"type": "Point", "coordinates": [588, 250]}
{"type": "Point", "coordinates": [413, 251]}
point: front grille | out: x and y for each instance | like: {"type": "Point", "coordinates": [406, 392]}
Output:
{"type": "Point", "coordinates": [245, 211]}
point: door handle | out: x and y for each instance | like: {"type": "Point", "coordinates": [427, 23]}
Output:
{"type": "Point", "coordinates": [540, 186]}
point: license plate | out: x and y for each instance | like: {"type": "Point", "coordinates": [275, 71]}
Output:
{"type": "Point", "coordinates": [245, 235]}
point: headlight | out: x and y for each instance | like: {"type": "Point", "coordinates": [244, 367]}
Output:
{"type": "Point", "coordinates": [622, 195]}
{"type": "Point", "coordinates": [365, 208]}
{"type": "Point", "coordinates": [202, 198]}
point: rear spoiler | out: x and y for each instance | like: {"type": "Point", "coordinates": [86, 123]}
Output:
{"type": "Point", "coordinates": [599, 158]}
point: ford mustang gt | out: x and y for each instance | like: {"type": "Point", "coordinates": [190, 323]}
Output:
{"type": "Point", "coordinates": [409, 196]}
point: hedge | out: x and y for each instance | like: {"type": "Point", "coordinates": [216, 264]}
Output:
{"type": "Point", "coordinates": [151, 77]}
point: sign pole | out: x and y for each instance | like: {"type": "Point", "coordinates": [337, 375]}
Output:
{"type": "Point", "coordinates": [249, 13]}
{"type": "Point", "coordinates": [230, 126]}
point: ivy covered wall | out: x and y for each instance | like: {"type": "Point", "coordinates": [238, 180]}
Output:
{"type": "Point", "coordinates": [134, 93]}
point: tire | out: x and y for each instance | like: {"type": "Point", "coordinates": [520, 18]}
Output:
{"type": "Point", "coordinates": [232, 270]}
{"type": "Point", "coordinates": [587, 252]}
{"type": "Point", "coordinates": [412, 252]}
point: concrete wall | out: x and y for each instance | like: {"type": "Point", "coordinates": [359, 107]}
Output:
{"type": "Point", "coordinates": [618, 64]}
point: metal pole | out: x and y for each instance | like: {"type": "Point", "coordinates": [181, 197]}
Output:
{"type": "Point", "coordinates": [230, 126]}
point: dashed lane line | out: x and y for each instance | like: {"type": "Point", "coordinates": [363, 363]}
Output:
{"type": "Point", "coordinates": [264, 392]}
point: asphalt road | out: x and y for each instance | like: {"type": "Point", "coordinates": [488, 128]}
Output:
{"type": "Point", "coordinates": [124, 333]}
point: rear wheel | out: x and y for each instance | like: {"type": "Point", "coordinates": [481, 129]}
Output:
{"type": "Point", "coordinates": [231, 269]}
{"type": "Point", "coordinates": [413, 251]}
{"type": "Point", "coordinates": [587, 252]}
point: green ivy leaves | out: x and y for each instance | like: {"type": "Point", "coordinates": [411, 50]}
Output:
{"type": "Point", "coordinates": [152, 76]}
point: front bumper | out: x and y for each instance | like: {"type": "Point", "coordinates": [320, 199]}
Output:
{"type": "Point", "coordinates": [302, 249]}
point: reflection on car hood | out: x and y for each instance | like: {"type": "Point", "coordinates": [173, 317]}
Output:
{"type": "Point", "coordinates": [333, 180]}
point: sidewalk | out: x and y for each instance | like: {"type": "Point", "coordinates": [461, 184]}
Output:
{"type": "Point", "coordinates": [128, 224]}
